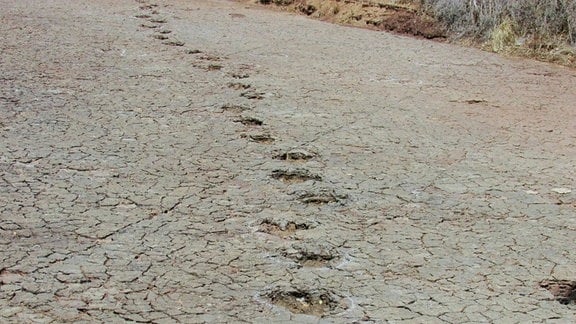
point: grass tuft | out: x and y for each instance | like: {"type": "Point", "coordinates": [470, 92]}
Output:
{"type": "Point", "coordinates": [503, 36]}
{"type": "Point", "coordinates": [544, 29]}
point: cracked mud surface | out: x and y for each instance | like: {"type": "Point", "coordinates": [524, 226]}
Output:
{"type": "Point", "coordinates": [130, 192]}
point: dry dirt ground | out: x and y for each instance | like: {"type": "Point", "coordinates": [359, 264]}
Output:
{"type": "Point", "coordinates": [205, 162]}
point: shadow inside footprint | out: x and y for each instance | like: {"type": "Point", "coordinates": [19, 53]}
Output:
{"type": "Point", "coordinates": [252, 94]}
{"type": "Point", "coordinates": [295, 155]}
{"type": "Point", "coordinates": [249, 121]}
{"type": "Point", "coordinates": [148, 6]}
{"type": "Point", "coordinates": [240, 75]}
{"type": "Point", "coordinates": [564, 291]}
{"type": "Point", "coordinates": [295, 175]}
{"type": "Point", "coordinates": [238, 85]}
{"type": "Point", "coordinates": [174, 43]}
{"type": "Point", "coordinates": [149, 26]}
{"type": "Point", "coordinates": [321, 197]}
{"type": "Point", "coordinates": [262, 138]}
{"type": "Point", "coordinates": [234, 108]}
{"type": "Point", "coordinates": [158, 20]}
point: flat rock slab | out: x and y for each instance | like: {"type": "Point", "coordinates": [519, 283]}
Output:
{"type": "Point", "coordinates": [142, 144]}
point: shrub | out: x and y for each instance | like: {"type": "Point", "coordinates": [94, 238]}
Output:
{"type": "Point", "coordinates": [503, 36]}
{"type": "Point", "coordinates": [545, 19]}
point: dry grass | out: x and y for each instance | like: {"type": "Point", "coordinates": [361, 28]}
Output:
{"type": "Point", "coordinates": [544, 29]}
{"type": "Point", "coordinates": [503, 36]}
{"type": "Point", "coordinates": [480, 17]}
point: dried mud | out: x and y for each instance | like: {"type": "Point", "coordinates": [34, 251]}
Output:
{"type": "Point", "coordinates": [213, 162]}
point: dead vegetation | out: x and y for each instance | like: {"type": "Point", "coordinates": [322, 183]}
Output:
{"type": "Point", "coordinates": [542, 29]}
